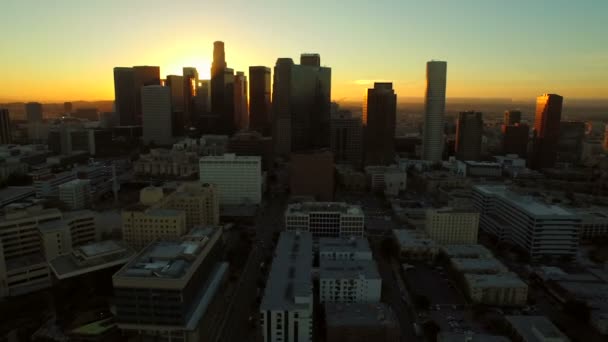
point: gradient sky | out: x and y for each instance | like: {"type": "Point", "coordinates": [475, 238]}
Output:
{"type": "Point", "coordinates": [65, 49]}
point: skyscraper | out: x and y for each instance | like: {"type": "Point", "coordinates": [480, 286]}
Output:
{"type": "Point", "coordinates": [190, 82]}
{"type": "Point", "coordinates": [346, 138]}
{"type": "Point", "coordinates": [512, 117]}
{"type": "Point", "coordinates": [5, 127]}
{"type": "Point", "coordinates": [434, 110]}
{"type": "Point", "coordinates": [310, 59]}
{"type": "Point", "coordinates": [303, 96]}
{"type": "Point", "coordinates": [241, 113]}
{"type": "Point", "coordinates": [179, 120]}
{"type": "Point", "coordinates": [227, 119]}
{"type": "Point", "coordinates": [156, 120]}
{"type": "Point", "coordinates": [469, 130]}
{"type": "Point", "coordinates": [546, 130]}
{"type": "Point", "coordinates": [379, 118]}
{"type": "Point", "coordinates": [259, 99]}
{"type": "Point", "coordinates": [143, 76]}
{"type": "Point", "coordinates": [202, 100]}
{"type": "Point", "coordinates": [33, 112]}
{"type": "Point", "coordinates": [124, 95]}
{"type": "Point", "coordinates": [515, 139]}
{"type": "Point", "coordinates": [219, 75]}
{"type": "Point", "coordinates": [570, 142]}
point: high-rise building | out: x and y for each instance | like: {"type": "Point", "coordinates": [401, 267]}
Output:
{"type": "Point", "coordinates": [546, 130]}
{"type": "Point", "coordinates": [190, 83]}
{"type": "Point", "coordinates": [143, 76]}
{"type": "Point", "coordinates": [434, 110]}
{"type": "Point", "coordinates": [202, 99]}
{"type": "Point", "coordinates": [222, 90]}
{"type": "Point", "coordinates": [311, 59]}
{"type": "Point", "coordinates": [311, 173]}
{"type": "Point", "coordinates": [379, 120]}
{"type": "Point", "coordinates": [301, 106]}
{"type": "Point", "coordinates": [570, 142]}
{"type": "Point", "coordinates": [469, 130]}
{"type": "Point", "coordinates": [165, 290]}
{"type": "Point", "coordinates": [33, 112]}
{"type": "Point", "coordinates": [157, 122]}
{"type": "Point", "coordinates": [515, 139]}
{"type": "Point", "coordinates": [238, 178]}
{"type": "Point", "coordinates": [124, 95]}
{"type": "Point", "coordinates": [346, 140]}
{"type": "Point", "coordinates": [241, 112]}
{"type": "Point", "coordinates": [325, 219]}
{"type": "Point", "coordinates": [512, 117]}
{"type": "Point", "coordinates": [286, 310]}
{"type": "Point", "coordinates": [5, 127]}
{"type": "Point", "coordinates": [178, 114]}
{"type": "Point", "coordinates": [259, 99]}
{"type": "Point", "coordinates": [252, 143]}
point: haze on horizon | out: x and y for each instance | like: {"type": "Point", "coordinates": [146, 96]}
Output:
{"type": "Point", "coordinates": [66, 49]}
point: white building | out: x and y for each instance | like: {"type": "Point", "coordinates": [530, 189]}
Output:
{"type": "Point", "coordinates": [238, 178]}
{"type": "Point", "coordinates": [451, 226]}
{"type": "Point", "coordinates": [286, 310]}
{"type": "Point", "coordinates": [76, 194]}
{"type": "Point", "coordinates": [48, 185]}
{"type": "Point", "coordinates": [349, 281]}
{"type": "Point", "coordinates": [434, 103]}
{"type": "Point", "coordinates": [540, 229]}
{"type": "Point", "coordinates": [325, 219]}
{"type": "Point", "coordinates": [389, 180]}
{"type": "Point", "coordinates": [344, 249]}
{"type": "Point", "coordinates": [156, 115]}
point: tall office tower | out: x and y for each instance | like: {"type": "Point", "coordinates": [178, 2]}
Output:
{"type": "Point", "coordinates": [143, 76]}
{"type": "Point", "coordinates": [310, 59]}
{"type": "Point", "coordinates": [67, 108]}
{"type": "Point", "coordinates": [241, 113]}
{"type": "Point", "coordinates": [5, 127]}
{"type": "Point", "coordinates": [346, 140]}
{"type": "Point", "coordinates": [515, 139]}
{"type": "Point", "coordinates": [570, 142]}
{"type": "Point", "coordinates": [219, 76]}
{"type": "Point", "coordinates": [512, 117]}
{"type": "Point", "coordinates": [469, 130]}
{"type": "Point", "coordinates": [301, 106]}
{"type": "Point", "coordinates": [178, 115]}
{"type": "Point", "coordinates": [311, 173]}
{"type": "Point", "coordinates": [156, 121]}
{"type": "Point", "coordinates": [379, 118]}
{"type": "Point", "coordinates": [190, 83]}
{"type": "Point", "coordinates": [434, 110]}
{"type": "Point", "coordinates": [163, 293]}
{"type": "Point", "coordinates": [281, 106]}
{"type": "Point", "coordinates": [286, 310]}
{"type": "Point", "coordinates": [33, 112]}
{"type": "Point", "coordinates": [259, 100]}
{"type": "Point", "coordinates": [202, 99]}
{"type": "Point", "coordinates": [546, 130]}
{"type": "Point", "coordinates": [124, 95]}
{"type": "Point", "coordinates": [227, 117]}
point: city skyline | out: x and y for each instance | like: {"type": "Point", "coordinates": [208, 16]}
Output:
{"type": "Point", "coordinates": [508, 52]}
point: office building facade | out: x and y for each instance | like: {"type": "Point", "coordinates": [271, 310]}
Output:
{"type": "Point", "coordinates": [76, 194]}
{"type": "Point", "coordinates": [157, 115]}
{"type": "Point", "coordinates": [469, 131]}
{"type": "Point", "coordinates": [312, 174]}
{"type": "Point", "coordinates": [450, 226]}
{"type": "Point", "coordinates": [346, 140]}
{"type": "Point", "coordinates": [512, 117]}
{"type": "Point", "coordinates": [238, 178]}
{"type": "Point", "coordinates": [142, 225]}
{"type": "Point", "coordinates": [434, 110]}
{"type": "Point", "coordinates": [570, 141]}
{"type": "Point", "coordinates": [379, 120]}
{"type": "Point", "coordinates": [325, 219]}
{"type": "Point", "coordinates": [260, 108]}
{"type": "Point", "coordinates": [546, 130]}
{"type": "Point", "coordinates": [241, 111]}
{"type": "Point", "coordinates": [6, 135]}
{"type": "Point", "coordinates": [515, 139]}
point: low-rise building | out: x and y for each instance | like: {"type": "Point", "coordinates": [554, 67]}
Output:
{"type": "Point", "coordinates": [472, 251]}
{"type": "Point", "coordinates": [496, 289]}
{"type": "Point", "coordinates": [286, 310]}
{"type": "Point", "coordinates": [389, 180]}
{"type": "Point", "coordinates": [349, 281]}
{"type": "Point", "coordinates": [344, 249]}
{"type": "Point", "coordinates": [325, 219]}
{"type": "Point", "coordinates": [414, 245]}
{"type": "Point", "coordinates": [471, 168]}
{"type": "Point", "coordinates": [141, 225]}
{"type": "Point", "coordinates": [534, 329]}
{"type": "Point", "coordinates": [76, 194]}
{"type": "Point", "coordinates": [165, 290]}
{"type": "Point", "coordinates": [594, 221]}
{"type": "Point", "coordinates": [478, 266]}
{"type": "Point", "coordinates": [8, 168]}
{"type": "Point", "coordinates": [167, 163]}
{"type": "Point", "coordinates": [451, 226]}
{"type": "Point", "coordinates": [358, 322]}
{"type": "Point", "coordinates": [350, 180]}
{"type": "Point", "coordinates": [47, 184]}
{"type": "Point", "coordinates": [469, 337]}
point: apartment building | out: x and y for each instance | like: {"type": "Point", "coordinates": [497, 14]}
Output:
{"type": "Point", "coordinates": [325, 219]}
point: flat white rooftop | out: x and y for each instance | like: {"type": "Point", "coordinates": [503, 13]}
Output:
{"type": "Point", "coordinates": [348, 269]}
{"type": "Point", "coordinates": [527, 204]}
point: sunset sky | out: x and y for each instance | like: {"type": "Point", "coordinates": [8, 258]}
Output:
{"type": "Point", "coordinates": [65, 49]}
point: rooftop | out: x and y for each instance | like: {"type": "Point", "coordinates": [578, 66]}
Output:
{"type": "Point", "coordinates": [91, 257]}
{"type": "Point", "coordinates": [341, 245]}
{"type": "Point", "coordinates": [15, 193]}
{"type": "Point", "coordinates": [309, 207]}
{"type": "Point", "coordinates": [289, 283]}
{"type": "Point", "coordinates": [528, 204]}
{"type": "Point", "coordinates": [463, 337]}
{"type": "Point", "coordinates": [95, 328]}
{"type": "Point", "coordinates": [231, 157]}
{"type": "Point", "coordinates": [480, 163]}
{"type": "Point", "coordinates": [348, 269]}
{"type": "Point", "coordinates": [359, 314]}
{"type": "Point", "coordinates": [468, 265]}
{"type": "Point", "coordinates": [467, 251]}
{"type": "Point", "coordinates": [536, 328]}
{"type": "Point", "coordinates": [412, 238]}
{"type": "Point", "coordinates": [494, 280]}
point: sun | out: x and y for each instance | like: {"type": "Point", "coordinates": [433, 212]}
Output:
{"type": "Point", "coordinates": [202, 65]}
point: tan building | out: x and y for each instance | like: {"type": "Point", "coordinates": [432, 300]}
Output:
{"type": "Point", "coordinates": [199, 201]}
{"type": "Point", "coordinates": [496, 289]}
{"type": "Point", "coordinates": [142, 224]}
{"type": "Point", "coordinates": [450, 226]}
